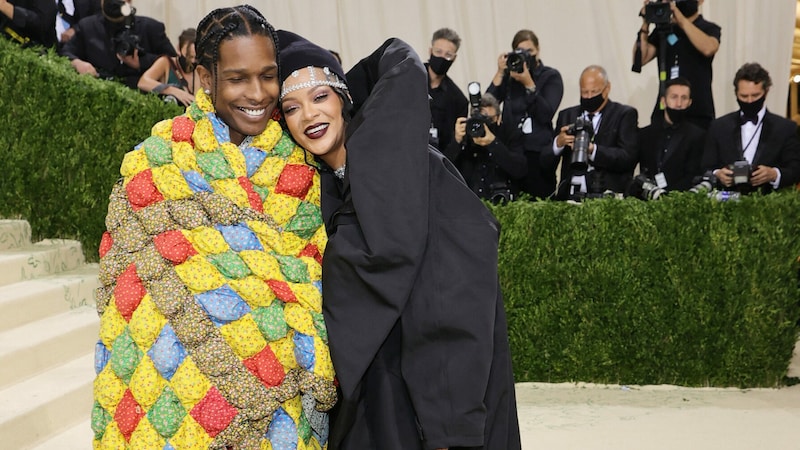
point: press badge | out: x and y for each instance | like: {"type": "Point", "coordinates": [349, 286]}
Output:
{"type": "Point", "coordinates": [674, 72]}
{"type": "Point", "coordinates": [661, 180]}
{"type": "Point", "coordinates": [672, 39]}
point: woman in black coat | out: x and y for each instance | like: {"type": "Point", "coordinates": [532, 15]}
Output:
{"type": "Point", "coordinates": [410, 290]}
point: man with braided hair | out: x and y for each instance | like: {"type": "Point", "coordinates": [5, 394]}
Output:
{"type": "Point", "coordinates": [211, 329]}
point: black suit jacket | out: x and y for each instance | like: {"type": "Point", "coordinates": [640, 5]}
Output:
{"type": "Point", "coordinates": [617, 145]}
{"type": "Point", "coordinates": [83, 8]}
{"type": "Point", "coordinates": [778, 147]}
{"type": "Point", "coordinates": [679, 161]}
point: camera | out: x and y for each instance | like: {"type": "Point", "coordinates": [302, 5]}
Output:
{"type": "Point", "coordinates": [476, 120]}
{"type": "Point", "coordinates": [515, 61]}
{"type": "Point", "coordinates": [741, 172]}
{"type": "Point", "coordinates": [124, 41]}
{"type": "Point", "coordinates": [644, 188]}
{"type": "Point", "coordinates": [659, 12]}
{"type": "Point", "coordinates": [704, 182]}
{"type": "Point", "coordinates": [500, 193]}
{"type": "Point", "coordinates": [583, 130]}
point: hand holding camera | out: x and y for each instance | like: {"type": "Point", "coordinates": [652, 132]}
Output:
{"type": "Point", "coordinates": [763, 175]}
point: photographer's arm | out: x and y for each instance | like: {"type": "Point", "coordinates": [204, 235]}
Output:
{"type": "Point", "coordinates": [510, 157]}
{"type": "Point", "coordinates": [705, 44]}
{"type": "Point", "coordinates": [7, 9]}
{"type": "Point", "coordinates": [642, 41]}
{"type": "Point", "coordinates": [453, 149]}
{"type": "Point", "coordinates": [498, 86]}
{"type": "Point", "coordinates": [543, 104]}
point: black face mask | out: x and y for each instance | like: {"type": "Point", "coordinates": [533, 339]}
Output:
{"type": "Point", "coordinates": [677, 116]}
{"type": "Point", "coordinates": [687, 7]}
{"type": "Point", "coordinates": [439, 65]}
{"type": "Point", "coordinates": [751, 109]}
{"type": "Point", "coordinates": [592, 104]}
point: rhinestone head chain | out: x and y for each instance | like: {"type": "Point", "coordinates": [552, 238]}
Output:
{"type": "Point", "coordinates": [327, 78]}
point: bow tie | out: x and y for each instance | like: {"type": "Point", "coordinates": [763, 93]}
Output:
{"type": "Point", "coordinates": [744, 119]}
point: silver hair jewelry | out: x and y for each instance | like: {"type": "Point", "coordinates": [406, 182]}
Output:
{"type": "Point", "coordinates": [339, 173]}
{"type": "Point", "coordinates": [331, 79]}
{"type": "Point", "coordinates": [207, 91]}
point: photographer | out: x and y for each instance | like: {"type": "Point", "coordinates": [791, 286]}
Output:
{"type": "Point", "coordinates": [530, 93]}
{"type": "Point", "coordinates": [752, 148]}
{"type": "Point", "coordinates": [117, 44]}
{"type": "Point", "coordinates": [670, 150]}
{"type": "Point", "coordinates": [446, 99]}
{"type": "Point", "coordinates": [489, 163]}
{"type": "Point", "coordinates": [29, 22]}
{"type": "Point", "coordinates": [684, 43]}
{"type": "Point", "coordinates": [611, 152]}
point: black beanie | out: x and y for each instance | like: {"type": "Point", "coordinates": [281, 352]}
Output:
{"type": "Point", "coordinates": [296, 52]}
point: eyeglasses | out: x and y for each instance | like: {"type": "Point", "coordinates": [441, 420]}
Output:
{"type": "Point", "coordinates": [444, 54]}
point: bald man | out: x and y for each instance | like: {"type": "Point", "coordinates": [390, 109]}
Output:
{"type": "Point", "coordinates": [613, 149]}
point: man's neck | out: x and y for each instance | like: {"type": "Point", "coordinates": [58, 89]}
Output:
{"type": "Point", "coordinates": [434, 79]}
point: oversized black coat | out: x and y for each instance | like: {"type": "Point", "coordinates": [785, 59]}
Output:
{"type": "Point", "coordinates": [410, 280]}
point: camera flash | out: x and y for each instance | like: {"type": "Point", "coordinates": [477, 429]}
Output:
{"type": "Point", "coordinates": [474, 88]}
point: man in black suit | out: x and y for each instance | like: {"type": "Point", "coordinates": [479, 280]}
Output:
{"type": "Point", "coordinates": [93, 50]}
{"type": "Point", "coordinates": [765, 141]}
{"type": "Point", "coordinates": [612, 152]}
{"type": "Point", "coordinates": [670, 150]}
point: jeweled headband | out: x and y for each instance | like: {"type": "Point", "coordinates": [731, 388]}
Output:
{"type": "Point", "coordinates": [330, 79]}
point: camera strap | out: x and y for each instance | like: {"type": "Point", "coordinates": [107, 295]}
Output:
{"type": "Point", "coordinates": [756, 132]}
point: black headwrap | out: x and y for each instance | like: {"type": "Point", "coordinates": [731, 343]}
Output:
{"type": "Point", "coordinates": [297, 52]}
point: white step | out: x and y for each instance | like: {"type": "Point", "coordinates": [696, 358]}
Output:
{"type": "Point", "coordinates": [77, 437]}
{"type": "Point", "coordinates": [34, 410]}
{"type": "Point", "coordinates": [48, 257]}
{"type": "Point", "coordinates": [38, 346]}
{"type": "Point", "coordinates": [31, 300]}
{"type": "Point", "coordinates": [14, 234]}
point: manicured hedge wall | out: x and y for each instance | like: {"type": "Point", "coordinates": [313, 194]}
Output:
{"type": "Point", "coordinates": [683, 290]}
{"type": "Point", "coordinates": [63, 137]}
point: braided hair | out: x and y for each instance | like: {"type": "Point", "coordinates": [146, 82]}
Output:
{"type": "Point", "coordinates": [227, 23]}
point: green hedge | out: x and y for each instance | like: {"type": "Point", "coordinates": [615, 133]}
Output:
{"type": "Point", "coordinates": [63, 140]}
{"type": "Point", "coordinates": [684, 290]}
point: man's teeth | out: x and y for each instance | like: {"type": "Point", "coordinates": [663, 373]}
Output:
{"type": "Point", "coordinates": [316, 129]}
{"type": "Point", "coordinates": [254, 112]}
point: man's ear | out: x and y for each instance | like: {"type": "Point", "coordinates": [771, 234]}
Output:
{"type": "Point", "coordinates": [206, 80]}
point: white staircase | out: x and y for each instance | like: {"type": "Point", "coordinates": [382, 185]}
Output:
{"type": "Point", "coordinates": [48, 327]}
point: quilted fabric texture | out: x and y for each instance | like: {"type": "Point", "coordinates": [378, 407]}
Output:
{"type": "Point", "coordinates": [211, 330]}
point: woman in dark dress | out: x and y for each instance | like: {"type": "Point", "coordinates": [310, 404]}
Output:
{"type": "Point", "coordinates": [412, 303]}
